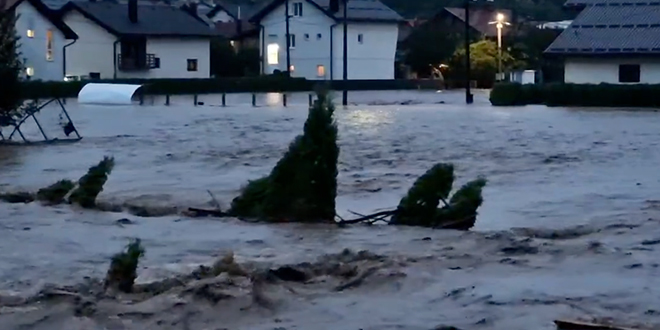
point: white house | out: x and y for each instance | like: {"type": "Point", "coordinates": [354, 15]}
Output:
{"type": "Point", "coordinates": [611, 41]}
{"type": "Point", "coordinates": [316, 38]}
{"type": "Point", "coordinates": [119, 40]}
{"type": "Point", "coordinates": [44, 40]}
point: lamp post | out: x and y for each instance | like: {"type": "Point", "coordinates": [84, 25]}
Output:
{"type": "Point", "coordinates": [499, 24]}
{"type": "Point", "coordinates": [468, 94]}
{"type": "Point", "coordinates": [344, 94]}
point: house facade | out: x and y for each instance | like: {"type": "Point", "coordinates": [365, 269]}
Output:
{"type": "Point", "coordinates": [231, 21]}
{"type": "Point", "coordinates": [127, 40]}
{"type": "Point", "coordinates": [611, 41]}
{"type": "Point", "coordinates": [316, 39]}
{"type": "Point", "coordinates": [44, 40]}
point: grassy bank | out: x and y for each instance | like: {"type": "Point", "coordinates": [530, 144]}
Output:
{"type": "Point", "coordinates": [586, 95]}
{"type": "Point", "coordinates": [40, 90]}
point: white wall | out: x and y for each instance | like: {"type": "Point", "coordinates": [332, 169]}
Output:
{"type": "Point", "coordinates": [307, 54]}
{"type": "Point", "coordinates": [606, 70]}
{"type": "Point", "coordinates": [94, 52]}
{"type": "Point", "coordinates": [372, 59]}
{"type": "Point", "coordinates": [174, 55]}
{"type": "Point", "coordinates": [33, 50]}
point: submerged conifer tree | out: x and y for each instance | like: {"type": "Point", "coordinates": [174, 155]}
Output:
{"type": "Point", "coordinates": [421, 205]}
{"type": "Point", "coordinates": [91, 184]}
{"type": "Point", "coordinates": [303, 184]}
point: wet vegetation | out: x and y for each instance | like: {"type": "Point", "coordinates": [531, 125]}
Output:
{"type": "Point", "coordinates": [123, 268]}
{"type": "Point", "coordinates": [91, 184]}
{"type": "Point", "coordinates": [55, 193]}
{"type": "Point", "coordinates": [303, 185]}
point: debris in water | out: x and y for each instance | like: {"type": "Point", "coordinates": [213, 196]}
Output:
{"type": "Point", "coordinates": [91, 184]}
{"type": "Point", "coordinates": [123, 268]}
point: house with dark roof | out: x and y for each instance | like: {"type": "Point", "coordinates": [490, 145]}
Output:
{"type": "Point", "coordinates": [131, 40]}
{"type": "Point", "coordinates": [44, 39]}
{"type": "Point", "coordinates": [316, 38]}
{"type": "Point", "coordinates": [611, 41]}
{"type": "Point", "coordinates": [231, 21]}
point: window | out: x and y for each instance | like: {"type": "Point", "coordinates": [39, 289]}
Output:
{"type": "Point", "coordinates": [30, 26]}
{"type": "Point", "coordinates": [192, 64]}
{"type": "Point", "coordinates": [318, 36]}
{"type": "Point", "coordinates": [306, 36]}
{"type": "Point", "coordinates": [629, 73]}
{"type": "Point", "coordinates": [297, 9]}
{"type": "Point", "coordinates": [273, 53]}
{"type": "Point", "coordinates": [360, 38]}
{"type": "Point", "coordinates": [49, 45]}
{"type": "Point", "coordinates": [320, 70]}
{"type": "Point", "coordinates": [29, 71]}
{"type": "Point", "coordinates": [156, 63]}
{"type": "Point", "coordinates": [292, 41]}
{"type": "Point", "coordinates": [94, 75]}
{"type": "Point", "coordinates": [30, 33]}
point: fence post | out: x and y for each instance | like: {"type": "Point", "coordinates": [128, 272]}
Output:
{"type": "Point", "coordinates": [167, 99]}
{"type": "Point", "coordinates": [195, 99]}
{"type": "Point", "coordinates": [284, 99]}
{"type": "Point", "coordinates": [141, 98]}
{"type": "Point", "coordinates": [254, 100]}
{"type": "Point", "coordinates": [224, 100]}
{"type": "Point", "coordinates": [311, 101]}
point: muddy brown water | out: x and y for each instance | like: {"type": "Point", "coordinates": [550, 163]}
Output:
{"type": "Point", "coordinates": [582, 184]}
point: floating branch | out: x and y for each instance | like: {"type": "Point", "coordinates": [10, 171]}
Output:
{"type": "Point", "coordinates": [55, 193]}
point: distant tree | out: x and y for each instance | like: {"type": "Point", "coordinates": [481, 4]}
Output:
{"type": "Point", "coordinates": [483, 62]}
{"type": "Point", "coordinates": [227, 62]}
{"type": "Point", "coordinates": [528, 47]}
{"type": "Point", "coordinates": [427, 47]}
{"type": "Point", "coordinates": [10, 66]}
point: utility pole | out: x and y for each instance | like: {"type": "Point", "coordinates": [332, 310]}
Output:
{"type": "Point", "coordinates": [344, 98]}
{"type": "Point", "coordinates": [468, 94]}
{"type": "Point", "coordinates": [288, 39]}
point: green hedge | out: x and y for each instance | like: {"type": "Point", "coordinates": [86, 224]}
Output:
{"type": "Point", "coordinates": [49, 89]}
{"type": "Point", "coordinates": [586, 95]}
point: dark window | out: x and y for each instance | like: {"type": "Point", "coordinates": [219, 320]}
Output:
{"type": "Point", "coordinates": [306, 36]}
{"type": "Point", "coordinates": [297, 9]}
{"type": "Point", "coordinates": [292, 41]}
{"type": "Point", "coordinates": [360, 38]}
{"type": "Point", "coordinates": [629, 73]}
{"type": "Point", "coordinates": [318, 36]}
{"type": "Point", "coordinates": [192, 64]}
{"type": "Point", "coordinates": [156, 64]}
{"type": "Point", "coordinates": [94, 75]}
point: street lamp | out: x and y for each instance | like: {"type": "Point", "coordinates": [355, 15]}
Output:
{"type": "Point", "coordinates": [499, 24]}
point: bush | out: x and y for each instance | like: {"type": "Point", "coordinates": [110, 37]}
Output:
{"type": "Point", "coordinates": [123, 267]}
{"type": "Point", "coordinates": [55, 193]}
{"type": "Point", "coordinates": [421, 205]}
{"type": "Point", "coordinates": [91, 184]}
{"type": "Point", "coordinates": [303, 185]}
{"type": "Point", "coordinates": [587, 95]}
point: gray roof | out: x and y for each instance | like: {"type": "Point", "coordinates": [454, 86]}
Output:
{"type": "Point", "coordinates": [363, 10]}
{"type": "Point", "coordinates": [357, 10]}
{"type": "Point", "coordinates": [611, 28]}
{"type": "Point", "coordinates": [602, 2]}
{"type": "Point", "coordinates": [153, 20]}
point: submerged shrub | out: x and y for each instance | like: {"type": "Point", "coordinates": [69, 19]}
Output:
{"type": "Point", "coordinates": [123, 267]}
{"type": "Point", "coordinates": [55, 193]}
{"type": "Point", "coordinates": [303, 184]}
{"type": "Point", "coordinates": [91, 184]}
{"type": "Point", "coordinates": [421, 205]}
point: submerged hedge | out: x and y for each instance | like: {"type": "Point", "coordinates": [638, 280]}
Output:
{"type": "Point", "coordinates": [261, 84]}
{"type": "Point", "coordinates": [585, 95]}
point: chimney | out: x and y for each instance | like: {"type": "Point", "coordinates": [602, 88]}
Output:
{"type": "Point", "coordinates": [334, 6]}
{"type": "Point", "coordinates": [133, 11]}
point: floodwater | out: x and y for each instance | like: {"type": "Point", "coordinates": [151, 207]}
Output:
{"type": "Point", "coordinates": [592, 173]}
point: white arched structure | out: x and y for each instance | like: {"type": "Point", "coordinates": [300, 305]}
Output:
{"type": "Point", "coordinates": [117, 94]}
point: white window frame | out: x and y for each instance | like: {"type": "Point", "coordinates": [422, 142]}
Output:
{"type": "Point", "coordinates": [297, 9]}
{"type": "Point", "coordinates": [292, 41]}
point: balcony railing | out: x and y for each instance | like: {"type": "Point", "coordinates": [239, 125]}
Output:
{"type": "Point", "coordinates": [136, 63]}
